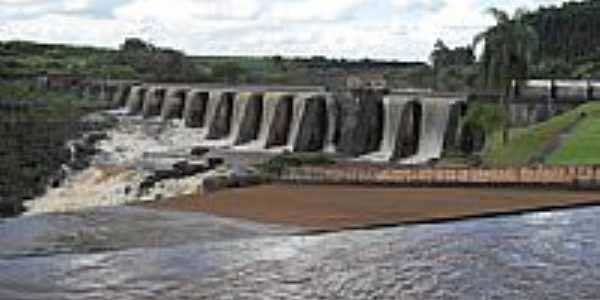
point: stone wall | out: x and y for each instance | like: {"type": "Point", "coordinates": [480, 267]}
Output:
{"type": "Point", "coordinates": [559, 176]}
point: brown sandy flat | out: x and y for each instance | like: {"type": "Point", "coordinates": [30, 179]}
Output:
{"type": "Point", "coordinates": [340, 207]}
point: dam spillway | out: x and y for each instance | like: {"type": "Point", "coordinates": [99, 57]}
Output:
{"type": "Point", "coordinates": [394, 107]}
{"type": "Point", "coordinates": [398, 128]}
{"type": "Point", "coordinates": [174, 104]}
{"type": "Point", "coordinates": [195, 106]}
{"type": "Point", "coordinates": [434, 122]}
{"type": "Point", "coordinates": [153, 104]}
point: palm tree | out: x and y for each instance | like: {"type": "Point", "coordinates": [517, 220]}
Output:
{"type": "Point", "coordinates": [508, 52]}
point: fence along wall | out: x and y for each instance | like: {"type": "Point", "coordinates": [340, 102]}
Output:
{"type": "Point", "coordinates": [559, 176]}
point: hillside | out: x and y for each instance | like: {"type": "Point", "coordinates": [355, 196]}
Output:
{"type": "Point", "coordinates": [528, 145]}
{"type": "Point", "coordinates": [137, 59]}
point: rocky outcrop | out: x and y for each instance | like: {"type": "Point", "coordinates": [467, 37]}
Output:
{"type": "Point", "coordinates": [154, 102]}
{"type": "Point", "coordinates": [194, 112]}
{"type": "Point", "coordinates": [178, 170]}
{"type": "Point", "coordinates": [313, 126]}
{"type": "Point", "coordinates": [174, 104]}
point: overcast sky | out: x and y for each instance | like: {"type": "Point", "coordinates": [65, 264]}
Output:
{"type": "Point", "coordinates": [385, 29]}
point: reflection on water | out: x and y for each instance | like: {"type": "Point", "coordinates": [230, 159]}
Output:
{"type": "Point", "coordinates": [126, 253]}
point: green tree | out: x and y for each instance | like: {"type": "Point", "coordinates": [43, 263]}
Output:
{"type": "Point", "coordinates": [508, 52]}
{"type": "Point", "coordinates": [229, 72]}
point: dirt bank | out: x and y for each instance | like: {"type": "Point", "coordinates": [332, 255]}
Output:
{"type": "Point", "coordinates": [341, 207]}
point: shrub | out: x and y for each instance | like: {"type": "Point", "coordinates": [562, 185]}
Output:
{"type": "Point", "coordinates": [281, 162]}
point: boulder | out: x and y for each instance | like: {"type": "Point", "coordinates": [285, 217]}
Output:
{"type": "Point", "coordinates": [199, 151]}
{"type": "Point", "coordinates": [234, 177]}
{"type": "Point", "coordinates": [97, 121]}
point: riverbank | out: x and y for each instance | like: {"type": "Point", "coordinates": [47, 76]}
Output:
{"type": "Point", "coordinates": [35, 128]}
{"type": "Point", "coordinates": [331, 208]}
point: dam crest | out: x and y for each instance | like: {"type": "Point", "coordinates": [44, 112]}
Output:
{"type": "Point", "coordinates": [403, 128]}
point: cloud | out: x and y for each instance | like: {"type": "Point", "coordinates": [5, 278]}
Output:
{"type": "Point", "coordinates": [312, 10]}
{"type": "Point", "coordinates": [30, 9]}
{"type": "Point", "coordinates": [391, 29]}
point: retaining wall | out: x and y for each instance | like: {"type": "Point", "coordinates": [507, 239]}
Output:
{"type": "Point", "coordinates": [542, 176]}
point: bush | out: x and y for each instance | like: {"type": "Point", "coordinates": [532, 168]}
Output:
{"type": "Point", "coordinates": [281, 162]}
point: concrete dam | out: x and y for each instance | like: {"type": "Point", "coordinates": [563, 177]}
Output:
{"type": "Point", "coordinates": [404, 128]}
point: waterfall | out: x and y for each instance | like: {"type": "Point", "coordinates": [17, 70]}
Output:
{"type": "Point", "coordinates": [214, 99]}
{"type": "Point", "coordinates": [218, 122]}
{"type": "Point", "coordinates": [194, 113]}
{"type": "Point", "coordinates": [154, 102]}
{"type": "Point", "coordinates": [136, 100]}
{"type": "Point", "coordinates": [332, 114]}
{"type": "Point", "coordinates": [120, 96]}
{"type": "Point", "coordinates": [270, 103]}
{"type": "Point", "coordinates": [240, 105]}
{"type": "Point", "coordinates": [393, 109]}
{"type": "Point", "coordinates": [299, 107]}
{"type": "Point", "coordinates": [434, 121]}
{"type": "Point", "coordinates": [173, 104]}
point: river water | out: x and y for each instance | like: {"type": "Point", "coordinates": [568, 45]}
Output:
{"type": "Point", "coordinates": [133, 253]}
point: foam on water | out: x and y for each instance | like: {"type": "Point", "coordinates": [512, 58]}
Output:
{"type": "Point", "coordinates": [393, 109]}
{"type": "Point", "coordinates": [119, 171]}
{"type": "Point", "coordinates": [434, 122]}
{"type": "Point", "coordinates": [329, 143]}
{"type": "Point", "coordinates": [270, 103]}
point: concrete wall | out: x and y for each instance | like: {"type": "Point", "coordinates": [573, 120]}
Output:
{"type": "Point", "coordinates": [559, 176]}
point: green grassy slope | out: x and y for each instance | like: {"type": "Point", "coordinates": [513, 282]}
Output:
{"type": "Point", "coordinates": [526, 143]}
{"type": "Point", "coordinates": [583, 145]}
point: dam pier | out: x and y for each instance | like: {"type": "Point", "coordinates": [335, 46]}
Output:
{"type": "Point", "coordinates": [398, 127]}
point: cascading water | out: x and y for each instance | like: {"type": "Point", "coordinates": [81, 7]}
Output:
{"type": "Point", "coordinates": [173, 104]}
{"type": "Point", "coordinates": [240, 106]}
{"type": "Point", "coordinates": [329, 143]}
{"type": "Point", "coordinates": [270, 103]}
{"type": "Point", "coordinates": [214, 101]}
{"type": "Point", "coordinates": [434, 122]}
{"type": "Point", "coordinates": [299, 108]}
{"type": "Point", "coordinates": [154, 101]}
{"type": "Point", "coordinates": [194, 113]}
{"type": "Point", "coordinates": [238, 113]}
{"type": "Point", "coordinates": [393, 106]}
{"type": "Point", "coordinates": [135, 102]}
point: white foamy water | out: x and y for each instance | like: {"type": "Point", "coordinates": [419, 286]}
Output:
{"type": "Point", "coordinates": [393, 109]}
{"type": "Point", "coordinates": [271, 101]}
{"type": "Point", "coordinates": [116, 177]}
{"type": "Point", "coordinates": [434, 121]}
{"type": "Point", "coordinates": [299, 108]}
{"type": "Point", "coordinates": [329, 143]}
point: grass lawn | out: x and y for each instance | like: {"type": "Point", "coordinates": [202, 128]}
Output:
{"type": "Point", "coordinates": [583, 146]}
{"type": "Point", "coordinates": [525, 143]}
